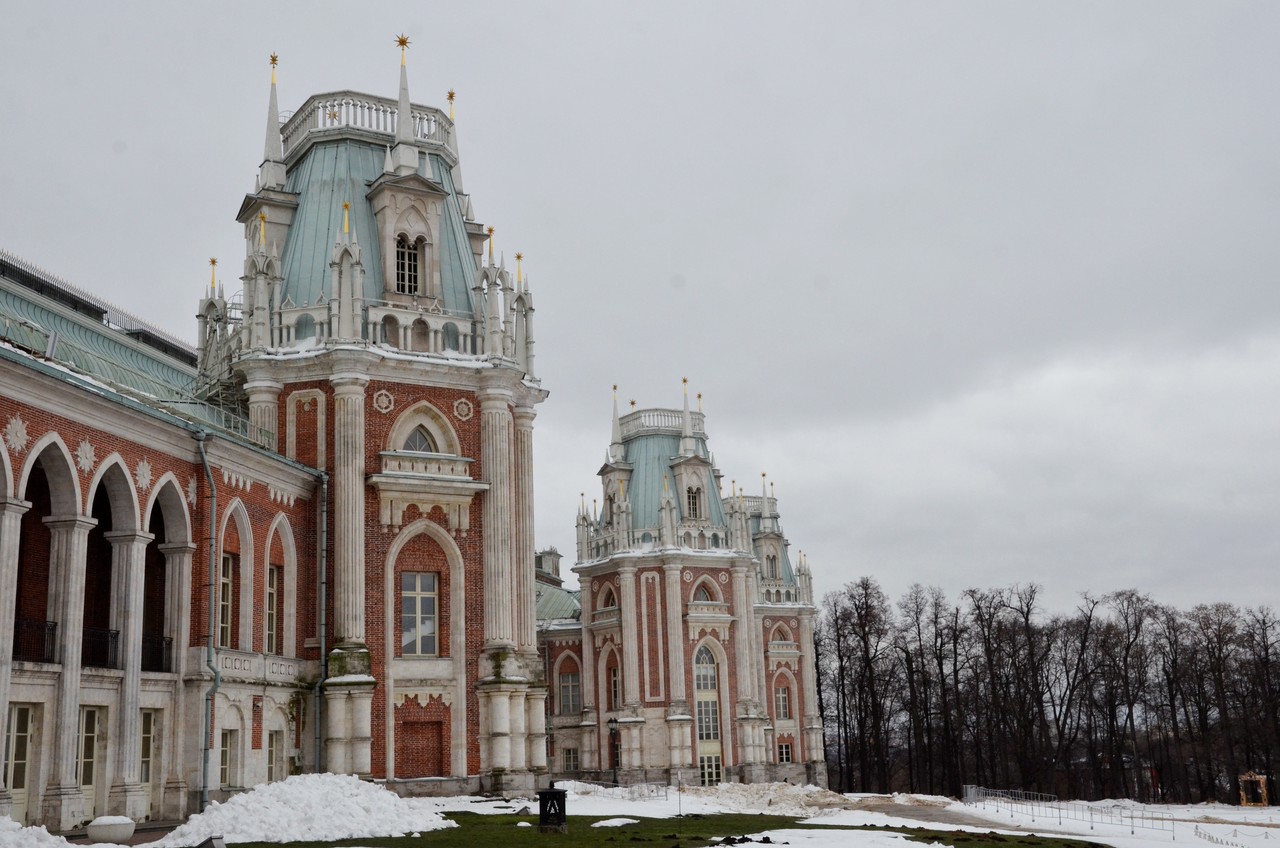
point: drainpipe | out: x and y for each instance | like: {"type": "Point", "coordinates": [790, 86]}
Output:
{"type": "Point", "coordinates": [209, 695]}
{"type": "Point", "coordinates": [324, 587]}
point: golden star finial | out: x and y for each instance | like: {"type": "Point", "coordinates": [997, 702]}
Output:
{"type": "Point", "coordinates": [633, 403]}
{"type": "Point", "coordinates": [684, 381]}
{"type": "Point", "coordinates": [274, 60]}
{"type": "Point", "coordinates": [333, 115]}
{"type": "Point", "coordinates": [489, 230]}
{"type": "Point", "coordinates": [450, 95]}
{"type": "Point", "coordinates": [519, 256]}
{"type": "Point", "coordinates": [213, 261]}
{"type": "Point", "coordinates": [402, 41]}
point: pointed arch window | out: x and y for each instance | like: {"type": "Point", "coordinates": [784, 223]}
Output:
{"type": "Point", "coordinates": [407, 265]}
{"type": "Point", "coordinates": [771, 567]}
{"type": "Point", "coordinates": [608, 600]}
{"type": "Point", "coordinates": [420, 441]}
{"type": "Point", "coordinates": [702, 595]}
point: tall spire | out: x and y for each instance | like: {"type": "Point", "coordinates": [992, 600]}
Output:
{"type": "Point", "coordinates": [687, 446]}
{"type": "Point", "coordinates": [405, 153]}
{"type": "Point", "coordinates": [616, 451]}
{"type": "Point", "coordinates": [271, 174]}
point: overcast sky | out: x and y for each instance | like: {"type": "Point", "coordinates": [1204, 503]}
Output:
{"type": "Point", "coordinates": [989, 289]}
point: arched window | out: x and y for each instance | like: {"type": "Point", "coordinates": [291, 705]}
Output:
{"type": "Point", "coordinates": [771, 567]}
{"type": "Point", "coordinates": [702, 595]}
{"type": "Point", "coordinates": [406, 265]}
{"type": "Point", "coordinates": [420, 441]}
{"type": "Point", "coordinates": [608, 600]}
{"type": "Point", "coordinates": [707, 716]}
{"type": "Point", "coordinates": [450, 336]}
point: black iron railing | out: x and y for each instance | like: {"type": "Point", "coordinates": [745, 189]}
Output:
{"type": "Point", "coordinates": [100, 648]}
{"type": "Point", "coordinates": [157, 653]}
{"type": "Point", "coordinates": [33, 641]}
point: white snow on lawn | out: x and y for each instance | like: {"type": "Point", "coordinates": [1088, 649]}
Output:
{"type": "Point", "coordinates": [614, 822]}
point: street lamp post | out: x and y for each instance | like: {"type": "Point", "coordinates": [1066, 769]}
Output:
{"type": "Point", "coordinates": [613, 746]}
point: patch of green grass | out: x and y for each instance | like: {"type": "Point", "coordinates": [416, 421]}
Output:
{"type": "Point", "coordinates": [691, 831]}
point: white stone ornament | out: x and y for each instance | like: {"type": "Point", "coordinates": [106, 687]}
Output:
{"type": "Point", "coordinates": [383, 401]}
{"type": "Point", "coordinates": [144, 475]}
{"type": "Point", "coordinates": [16, 433]}
{"type": "Point", "coordinates": [84, 456]}
{"type": "Point", "coordinates": [191, 491]}
{"type": "Point", "coordinates": [463, 409]}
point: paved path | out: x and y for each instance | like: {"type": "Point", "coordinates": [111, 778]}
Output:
{"type": "Point", "coordinates": [944, 815]}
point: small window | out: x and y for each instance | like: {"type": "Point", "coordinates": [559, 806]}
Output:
{"type": "Point", "coordinates": [704, 670]}
{"type": "Point", "coordinates": [406, 265]}
{"type": "Point", "coordinates": [418, 614]}
{"type": "Point", "coordinates": [229, 763]}
{"type": "Point", "coordinates": [570, 758]}
{"type": "Point", "coordinates": [226, 599]}
{"type": "Point", "coordinates": [450, 336]}
{"type": "Point", "coordinates": [608, 601]}
{"type": "Point", "coordinates": [693, 499]}
{"type": "Point", "coordinates": [784, 752]}
{"type": "Point", "coordinates": [420, 441]}
{"type": "Point", "coordinates": [275, 756]}
{"type": "Point", "coordinates": [702, 595]}
{"type": "Point", "coordinates": [771, 567]}
{"type": "Point", "coordinates": [272, 608]}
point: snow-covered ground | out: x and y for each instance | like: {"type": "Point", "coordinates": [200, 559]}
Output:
{"type": "Point", "coordinates": [329, 807]}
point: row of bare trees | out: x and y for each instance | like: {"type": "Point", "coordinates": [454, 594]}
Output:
{"type": "Point", "coordinates": [1122, 697]}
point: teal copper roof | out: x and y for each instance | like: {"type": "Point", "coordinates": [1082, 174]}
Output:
{"type": "Point", "coordinates": [650, 456]}
{"type": "Point", "coordinates": [339, 170]}
{"type": "Point", "coordinates": [555, 603]}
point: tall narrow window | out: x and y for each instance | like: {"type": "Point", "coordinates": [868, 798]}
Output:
{"type": "Point", "coordinates": [226, 600]}
{"type": "Point", "coordinates": [570, 758]}
{"type": "Point", "coordinates": [17, 754]}
{"type": "Point", "coordinates": [229, 761]}
{"type": "Point", "coordinates": [146, 758]}
{"type": "Point", "coordinates": [406, 265]}
{"type": "Point", "coordinates": [782, 702]}
{"type": "Point", "coordinates": [275, 756]}
{"type": "Point", "coordinates": [420, 441]}
{"type": "Point", "coordinates": [615, 688]}
{"type": "Point", "coordinates": [771, 567]}
{"type": "Point", "coordinates": [418, 614]}
{"type": "Point", "coordinates": [272, 610]}
{"type": "Point", "coordinates": [570, 693]}
{"type": "Point", "coordinates": [692, 498]}
{"type": "Point", "coordinates": [707, 716]}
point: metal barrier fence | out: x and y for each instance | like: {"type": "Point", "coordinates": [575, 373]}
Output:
{"type": "Point", "coordinates": [1047, 807]}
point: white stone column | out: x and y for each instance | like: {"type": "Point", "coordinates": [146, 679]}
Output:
{"type": "Point", "coordinates": [536, 729]}
{"type": "Point", "coordinates": [337, 721]}
{"type": "Point", "coordinates": [361, 700]}
{"type": "Point", "coordinates": [348, 503]}
{"type": "Point", "coordinates": [519, 743]}
{"type": "Point", "coordinates": [742, 636]}
{"type": "Point", "coordinates": [499, 731]}
{"type": "Point", "coordinates": [630, 635]}
{"type": "Point", "coordinates": [128, 554]}
{"type": "Point", "coordinates": [590, 729]}
{"type": "Point", "coordinates": [675, 637]}
{"type": "Point", "coordinates": [526, 620]}
{"type": "Point", "coordinates": [63, 806]}
{"type": "Point", "coordinates": [11, 512]}
{"type": "Point", "coordinates": [177, 567]}
{"type": "Point", "coordinates": [264, 412]}
{"type": "Point", "coordinates": [496, 433]}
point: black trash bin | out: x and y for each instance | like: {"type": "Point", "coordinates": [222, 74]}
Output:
{"type": "Point", "coordinates": [551, 814]}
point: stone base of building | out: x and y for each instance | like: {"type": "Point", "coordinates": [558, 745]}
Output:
{"type": "Point", "coordinates": [63, 808]}
{"type": "Point", "coordinates": [128, 799]}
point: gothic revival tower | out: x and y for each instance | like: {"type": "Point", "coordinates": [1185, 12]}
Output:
{"type": "Point", "coordinates": [378, 341]}
{"type": "Point", "coordinates": [691, 658]}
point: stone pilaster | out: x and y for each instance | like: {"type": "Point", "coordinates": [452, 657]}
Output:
{"type": "Point", "coordinates": [128, 553]}
{"type": "Point", "coordinates": [526, 620]}
{"type": "Point", "coordinates": [63, 806]}
{"type": "Point", "coordinates": [536, 728]}
{"type": "Point", "coordinates": [11, 512]}
{"type": "Point", "coordinates": [348, 530]}
{"type": "Point", "coordinates": [631, 635]}
{"type": "Point", "coordinates": [496, 434]}
{"type": "Point", "coordinates": [590, 729]}
{"type": "Point", "coordinates": [814, 750]}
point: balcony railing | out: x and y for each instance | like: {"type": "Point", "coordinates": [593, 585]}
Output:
{"type": "Point", "coordinates": [157, 653]}
{"type": "Point", "coordinates": [33, 641]}
{"type": "Point", "coordinates": [100, 648]}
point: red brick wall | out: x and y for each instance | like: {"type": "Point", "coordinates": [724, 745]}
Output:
{"type": "Point", "coordinates": [256, 731]}
{"type": "Point", "coordinates": [33, 551]}
{"type": "Point", "coordinates": [422, 738]}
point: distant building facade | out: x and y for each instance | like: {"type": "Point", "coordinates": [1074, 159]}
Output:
{"type": "Point", "coordinates": [688, 653]}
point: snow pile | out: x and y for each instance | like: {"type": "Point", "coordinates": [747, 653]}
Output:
{"type": "Point", "coordinates": [318, 807]}
{"type": "Point", "coordinates": [614, 822]}
{"type": "Point", "coordinates": [112, 820]}
{"type": "Point", "coordinates": [779, 799]}
{"type": "Point", "coordinates": [14, 835]}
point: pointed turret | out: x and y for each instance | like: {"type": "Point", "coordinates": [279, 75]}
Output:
{"type": "Point", "coordinates": [271, 174]}
{"type": "Point", "coordinates": [405, 154]}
